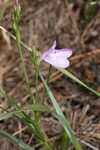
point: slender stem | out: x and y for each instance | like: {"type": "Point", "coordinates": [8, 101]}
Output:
{"type": "Point", "coordinates": [37, 83]}
{"type": "Point", "coordinates": [18, 41]}
{"type": "Point", "coordinates": [45, 143]}
{"type": "Point", "coordinates": [45, 92]}
{"type": "Point", "coordinates": [36, 64]}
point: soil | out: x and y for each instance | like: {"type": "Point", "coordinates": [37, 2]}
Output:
{"type": "Point", "coordinates": [42, 22]}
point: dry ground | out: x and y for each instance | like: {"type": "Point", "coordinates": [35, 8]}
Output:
{"type": "Point", "coordinates": [43, 21]}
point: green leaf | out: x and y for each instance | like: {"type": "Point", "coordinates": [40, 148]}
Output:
{"type": "Point", "coordinates": [65, 141]}
{"type": "Point", "coordinates": [60, 116]}
{"type": "Point", "coordinates": [16, 106]}
{"type": "Point", "coordinates": [19, 142]}
{"type": "Point", "coordinates": [70, 75]}
{"type": "Point", "coordinates": [35, 107]}
{"type": "Point", "coordinates": [10, 99]}
{"type": "Point", "coordinates": [69, 131]}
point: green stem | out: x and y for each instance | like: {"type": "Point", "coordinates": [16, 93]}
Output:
{"type": "Point", "coordinates": [45, 143]}
{"type": "Point", "coordinates": [18, 41]}
{"type": "Point", "coordinates": [37, 83]}
{"type": "Point", "coordinates": [44, 93]}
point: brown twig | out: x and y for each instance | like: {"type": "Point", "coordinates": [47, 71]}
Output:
{"type": "Point", "coordinates": [85, 54]}
{"type": "Point", "coordinates": [19, 131]}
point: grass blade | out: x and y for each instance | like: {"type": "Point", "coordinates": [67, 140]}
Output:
{"type": "Point", "coordinates": [10, 99]}
{"type": "Point", "coordinates": [70, 75]}
{"type": "Point", "coordinates": [18, 41]}
{"type": "Point", "coordinates": [35, 107]}
{"type": "Point", "coordinates": [15, 105]}
{"type": "Point", "coordinates": [64, 141]}
{"type": "Point", "coordinates": [19, 142]}
{"type": "Point", "coordinates": [60, 116]}
{"type": "Point", "coordinates": [69, 131]}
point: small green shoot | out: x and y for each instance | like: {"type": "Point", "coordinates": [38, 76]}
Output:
{"type": "Point", "coordinates": [64, 141]}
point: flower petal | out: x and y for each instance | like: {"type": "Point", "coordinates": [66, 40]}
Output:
{"type": "Point", "coordinates": [57, 58]}
{"type": "Point", "coordinates": [57, 61]}
{"type": "Point", "coordinates": [46, 54]}
{"type": "Point", "coordinates": [64, 52]}
{"type": "Point", "coordinates": [53, 46]}
{"type": "Point", "coordinates": [59, 64]}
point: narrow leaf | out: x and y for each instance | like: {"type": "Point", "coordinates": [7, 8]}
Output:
{"type": "Point", "coordinates": [64, 141]}
{"type": "Point", "coordinates": [70, 75]}
{"type": "Point", "coordinates": [35, 107]}
{"type": "Point", "coordinates": [60, 116]}
{"type": "Point", "coordinates": [19, 142]}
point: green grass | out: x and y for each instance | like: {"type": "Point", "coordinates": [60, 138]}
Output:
{"type": "Point", "coordinates": [18, 142]}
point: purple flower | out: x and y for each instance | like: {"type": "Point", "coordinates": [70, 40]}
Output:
{"type": "Point", "coordinates": [57, 58]}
